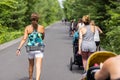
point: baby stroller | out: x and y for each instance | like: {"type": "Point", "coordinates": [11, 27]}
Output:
{"type": "Point", "coordinates": [96, 57]}
{"type": "Point", "coordinates": [76, 59]}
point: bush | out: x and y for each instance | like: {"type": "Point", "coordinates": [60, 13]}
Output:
{"type": "Point", "coordinates": [8, 36]}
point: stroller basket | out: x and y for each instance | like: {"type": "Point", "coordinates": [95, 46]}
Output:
{"type": "Point", "coordinates": [34, 48]}
{"type": "Point", "coordinates": [99, 57]}
{"type": "Point", "coordinates": [94, 58]}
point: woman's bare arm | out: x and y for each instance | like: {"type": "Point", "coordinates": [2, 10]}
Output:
{"type": "Point", "coordinates": [24, 38]}
{"type": "Point", "coordinates": [80, 40]}
{"type": "Point", "coordinates": [99, 30]}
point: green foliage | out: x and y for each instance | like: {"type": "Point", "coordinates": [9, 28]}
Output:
{"type": "Point", "coordinates": [113, 27]}
{"type": "Point", "coordinates": [49, 11]}
{"type": "Point", "coordinates": [112, 40]}
{"type": "Point", "coordinates": [7, 34]}
{"type": "Point", "coordinates": [12, 13]}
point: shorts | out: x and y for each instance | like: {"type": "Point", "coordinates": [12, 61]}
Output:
{"type": "Point", "coordinates": [35, 54]}
{"type": "Point", "coordinates": [97, 43]}
{"type": "Point", "coordinates": [88, 46]}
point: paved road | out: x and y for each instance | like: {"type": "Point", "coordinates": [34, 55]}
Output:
{"type": "Point", "coordinates": [56, 60]}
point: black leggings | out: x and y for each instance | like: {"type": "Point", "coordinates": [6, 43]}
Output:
{"type": "Point", "coordinates": [97, 43]}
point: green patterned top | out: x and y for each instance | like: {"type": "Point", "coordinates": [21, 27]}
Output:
{"type": "Point", "coordinates": [34, 39]}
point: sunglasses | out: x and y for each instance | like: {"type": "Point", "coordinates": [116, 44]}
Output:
{"type": "Point", "coordinates": [34, 19]}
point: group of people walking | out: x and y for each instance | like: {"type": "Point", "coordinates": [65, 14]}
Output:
{"type": "Point", "coordinates": [88, 43]}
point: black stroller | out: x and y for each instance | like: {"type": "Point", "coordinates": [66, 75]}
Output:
{"type": "Point", "coordinates": [76, 59]}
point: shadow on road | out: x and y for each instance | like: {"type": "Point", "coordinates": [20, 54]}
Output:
{"type": "Point", "coordinates": [26, 78]}
{"type": "Point", "coordinates": [76, 69]}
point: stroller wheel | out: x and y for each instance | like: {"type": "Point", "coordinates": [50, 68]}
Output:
{"type": "Point", "coordinates": [71, 64]}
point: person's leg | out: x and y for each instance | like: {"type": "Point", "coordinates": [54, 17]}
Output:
{"type": "Point", "coordinates": [84, 59]}
{"type": "Point", "coordinates": [38, 67]}
{"type": "Point", "coordinates": [72, 32]}
{"type": "Point", "coordinates": [38, 57]}
{"type": "Point", "coordinates": [97, 46]}
{"type": "Point", "coordinates": [31, 67]}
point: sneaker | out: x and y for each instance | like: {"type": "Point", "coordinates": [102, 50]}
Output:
{"type": "Point", "coordinates": [84, 71]}
{"type": "Point", "coordinates": [84, 74]}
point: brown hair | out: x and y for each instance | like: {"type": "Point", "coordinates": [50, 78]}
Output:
{"type": "Point", "coordinates": [86, 19]}
{"type": "Point", "coordinates": [34, 16]}
{"type": "Point", "coordinates": [92, 22]}
{"type": "Point", "coordinates": [80, 20]}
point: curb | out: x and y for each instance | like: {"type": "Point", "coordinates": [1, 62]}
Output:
{"type": "Point", "coordinates": [7, 44]}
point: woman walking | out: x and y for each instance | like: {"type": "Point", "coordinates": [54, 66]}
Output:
{"type": "Point", "coordinates": [86, 40]}
{"type": "Point", "coordinates": [35, 35]}
{"type": "Point", "coordinates": [98, 31]}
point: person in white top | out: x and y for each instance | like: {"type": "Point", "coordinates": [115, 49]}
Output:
{"type": "Point", "coordinates": [80, 24]}
{"type": "Point", "coordinates": [72, 27]}
{"type": "Point", "coordinates": [96, 35]}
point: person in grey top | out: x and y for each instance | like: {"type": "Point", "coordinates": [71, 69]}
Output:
{"type": "Point", "coordinates": [86, 40]}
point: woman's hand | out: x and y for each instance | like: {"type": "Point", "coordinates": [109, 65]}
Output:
{"type": "Point", "coordinates": [79, 52]}
{"type": "Point", "coordinates": [18, 52]}
{"type": "Point", "coordinates": [101, 65]}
